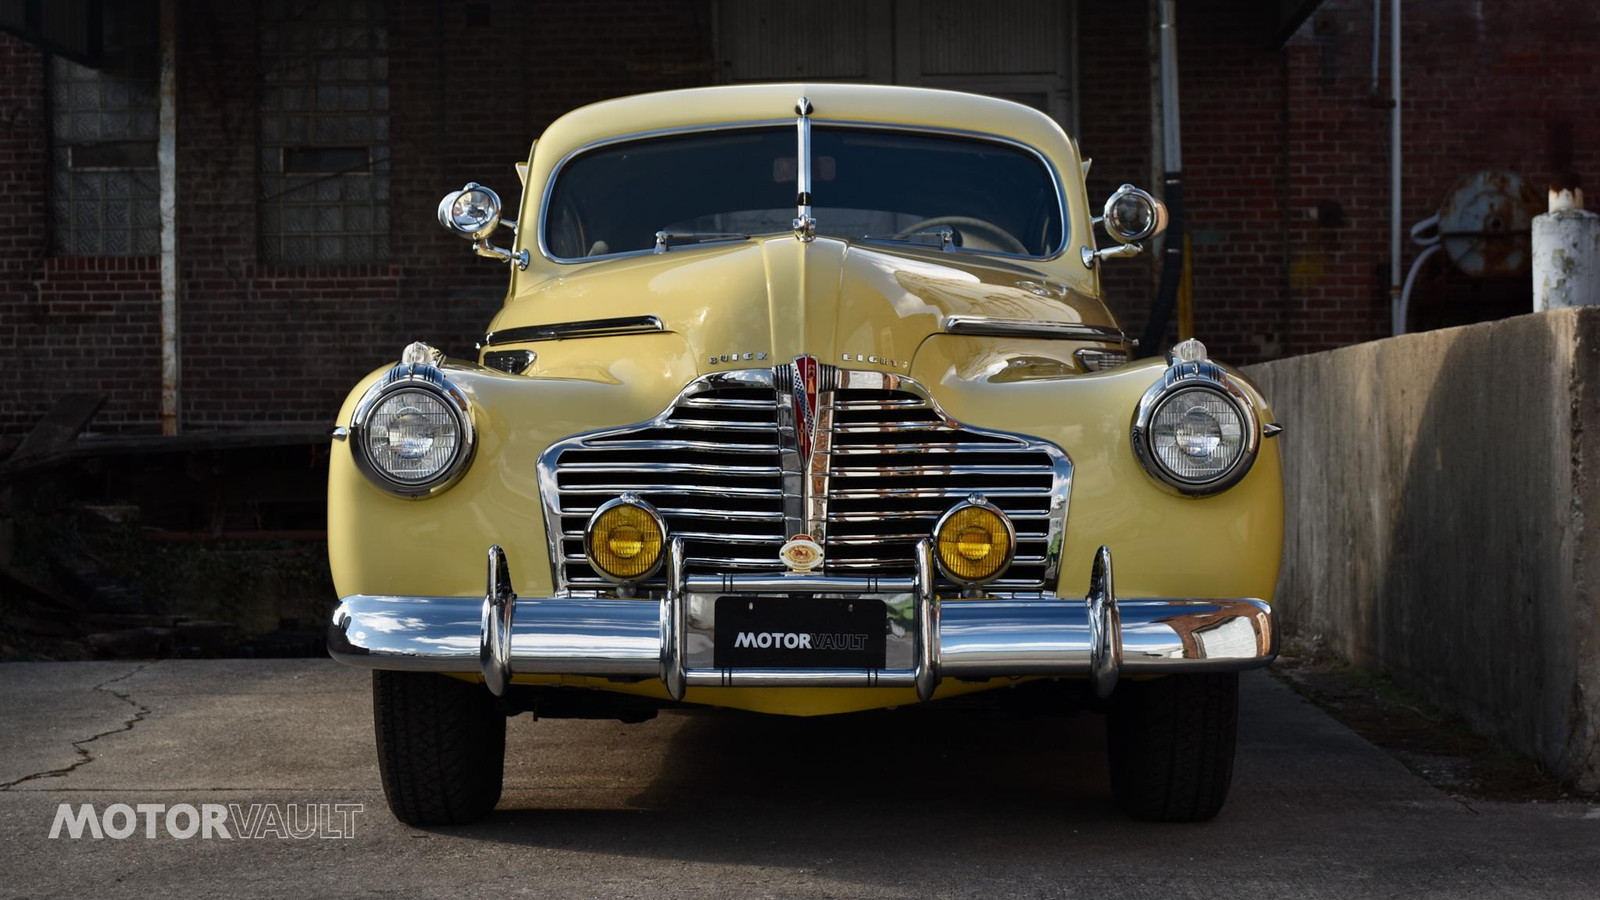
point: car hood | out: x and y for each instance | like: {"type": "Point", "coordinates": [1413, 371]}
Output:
{"type": "Point", "coordinates": [776, 298]}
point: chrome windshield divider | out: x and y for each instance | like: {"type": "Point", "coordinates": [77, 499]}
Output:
{"type": "Point", "coordinates": [805, 225]}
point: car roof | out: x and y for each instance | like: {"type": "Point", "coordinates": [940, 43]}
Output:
{"type": "Point", "coordinates": [751, 103]}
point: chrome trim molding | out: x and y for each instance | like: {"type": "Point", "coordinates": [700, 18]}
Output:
{"type": "Point", "coordinates": [561, 331]}
{"type": "Point", "coordinates": [1271, 430]}
{"type": "Point", "coordinates": [414, 376]}
{"type": "Point", "coordinates": [1184, 375]}
{"type": "Point", "coordinates": [1097, 637]}
{"type": "Point", "coordinates": [805, 226]}
{"type": "Point", "coordinates": [1063, 205]}
{"type": "Point", "coordinates": [990, 326]}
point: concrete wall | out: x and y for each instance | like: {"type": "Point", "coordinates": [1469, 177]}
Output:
{"type": "Point", "coordinates": [1443, 526]}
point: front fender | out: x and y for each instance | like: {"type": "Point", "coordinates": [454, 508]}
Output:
{"type": "Point", "coordinates": [1165, 544]}
{"type": "Point", "coordinates": [380, 544]}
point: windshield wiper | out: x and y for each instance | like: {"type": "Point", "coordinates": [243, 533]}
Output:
{"type": "Point", "coordinates": [666, 240]}
{"type": "Point", "coordinates": [946, 236]}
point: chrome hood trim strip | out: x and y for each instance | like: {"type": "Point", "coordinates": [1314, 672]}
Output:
{"type": "Point", "coordinates": [560, 331]}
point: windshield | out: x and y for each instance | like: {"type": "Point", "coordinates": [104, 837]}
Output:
{"type": "Point", "coordinates": [940, 190]}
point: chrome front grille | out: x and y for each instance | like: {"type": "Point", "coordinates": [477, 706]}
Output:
{"type": "Point", "coordinates": [865, 462]}
{"type": "Point", "coordinates": [898, 464]}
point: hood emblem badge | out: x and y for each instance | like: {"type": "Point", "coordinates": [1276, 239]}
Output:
{"type": "Point", "coordinates": [806, 374]}
{"type": "Point", "coordinates": [889, 361]}
{"type": "Point", "coordinates": [801, 554]}
{"type": "Point", "coordinates": [715, 358]}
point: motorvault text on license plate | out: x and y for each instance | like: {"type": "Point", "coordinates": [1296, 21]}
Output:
{"type": "Point", "coordinates": [800, 633]}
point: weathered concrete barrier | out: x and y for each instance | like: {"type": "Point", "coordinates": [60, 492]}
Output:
{"type": "Point", "coordinates": [1443, 507]}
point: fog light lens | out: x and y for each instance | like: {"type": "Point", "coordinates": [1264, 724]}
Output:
{"type": "Point", "coordinates": [624, 539]}
{"type": "Point", "coordinates": [974, 542]}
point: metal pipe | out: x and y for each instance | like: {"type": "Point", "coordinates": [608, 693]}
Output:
{"type": "Point", "coordinates": [1403, 311]}
{"type": "Point", "coordinates": [1172, 153]}
{"type": "Point", "coordinates": [167, 163]}
{"type": "Point", "coordinates": [1171, 138]}
{"type": "Point", "coordinates": [1377, 41]}
{"type": "Point", "coordinates": [1399, 325]}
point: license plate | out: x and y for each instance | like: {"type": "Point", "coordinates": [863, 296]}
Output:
{"type": "Point", "coordinates": [799, 633]}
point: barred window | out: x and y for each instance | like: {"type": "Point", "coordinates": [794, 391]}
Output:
{"type": "Point", "coordinates": [324, 148]}
{"type": "Point", "coordinates": [105, 192]}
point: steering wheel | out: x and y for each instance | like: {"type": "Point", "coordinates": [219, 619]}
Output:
{"type": "Point", "coordinates": [977, 233]}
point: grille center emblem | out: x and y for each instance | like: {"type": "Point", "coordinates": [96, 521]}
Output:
{"type": "Point", "coordinates": [801, 554]}
{"type": "Point", "coordinates": [806, 375]}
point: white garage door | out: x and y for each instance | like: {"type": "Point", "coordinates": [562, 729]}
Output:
{"type": "Point", "coordinates": [1018, 49]}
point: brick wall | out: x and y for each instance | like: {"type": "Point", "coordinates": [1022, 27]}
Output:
{"type": "Point", "coordinates": [470, 83]}
{"type": "Point", "coordinates": [24, 173]}
{"type": "Point", "coordinates": [1487, 86]}
{"type": "Point", "coordinates": [1285, 152]}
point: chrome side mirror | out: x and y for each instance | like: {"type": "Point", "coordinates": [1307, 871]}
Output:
{"type": "Point", "coordinates": [1130, 216]}
{"type": "Point", "coordinates": [474, 213]}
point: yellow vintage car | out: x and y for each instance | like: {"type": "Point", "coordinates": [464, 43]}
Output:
{"type": "Point", "coordinates": [804, 401]}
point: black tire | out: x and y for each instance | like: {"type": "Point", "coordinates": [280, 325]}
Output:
{"type": "Point", "coordinates": [441, 747]}
{"type": "Point", "coordinates": [1171, 742]}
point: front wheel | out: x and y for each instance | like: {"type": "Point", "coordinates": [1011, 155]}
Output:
{"type": "Point", "coordinates": [441, 747]}
{"type": "Point", "coordinates": [1171, 742]}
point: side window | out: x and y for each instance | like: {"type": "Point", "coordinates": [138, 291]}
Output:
{"type": "Point", "coordinates": [105, 193]}
{"type": "Point", "coordinates": [324, 143]}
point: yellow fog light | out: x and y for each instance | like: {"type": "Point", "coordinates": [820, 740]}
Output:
{"type": "Point", "coordinates": [624, 540]}
{"type": "Point", "coordinates": [975, 542]}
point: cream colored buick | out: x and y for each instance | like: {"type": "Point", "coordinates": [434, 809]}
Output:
{"type": "Point", "coordinates": [803, 400]}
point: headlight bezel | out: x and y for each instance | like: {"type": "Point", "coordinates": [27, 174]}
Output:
{"type": "Point", "coordinates": [426, 379]}
{"type": "Point", "coordinates": [1181, 376]}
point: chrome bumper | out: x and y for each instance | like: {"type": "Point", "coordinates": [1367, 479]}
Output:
{"type": "Point", "coordinates": [979, 638]}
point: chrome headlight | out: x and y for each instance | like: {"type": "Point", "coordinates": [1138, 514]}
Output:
{"type": "Point", "coordinates": [1195, 430]}
{"type": "Point", "coordinates": [412, 433]}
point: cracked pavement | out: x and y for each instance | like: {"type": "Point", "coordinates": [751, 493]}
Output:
{"type": "Point", "coordinates": [923, 803]}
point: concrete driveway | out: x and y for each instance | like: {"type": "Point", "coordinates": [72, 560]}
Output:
{"type": "Point", "coordinates": [921, 804]}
